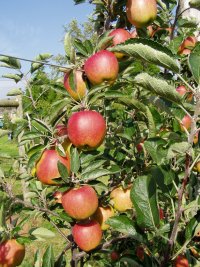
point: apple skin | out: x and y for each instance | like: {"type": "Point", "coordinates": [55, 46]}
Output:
{"type": "Point", "coordinates": [134, 34]}
{"type": "Point", "coordinates": [102, 214]}
{"type": "Point", "coordinates": [141, 13]}
{"type": "Point", "coordinates": [186, 122]}
{"type": "Point", "coordinates": [182, 91]}
{"type": "Point", "coordinates": [121, 199]}
{"type": "Point", "coordinates": [181, 261]}
{"type": "Point", "coordinates": [114, 255]}
{"type": "Point", "coordinates": [46, 167]}
{"type": "Point", "coordinates": [119, 36]}
{"type": "Point", "coordinates": [11, 253]}
{"type": "Point", "coordinates": [140, 252]}
{"type": "Point", "coordinates": [102, 67]}
{"type": "Point", "coordinates": [86, 129]}
{"type": "Point", "coordinates": [80, 86]}
{"type": "Point", "coordinates": [87, 235]}
{"type": "Point", "coordinates": [187, 45]}
{"type": "Point", "coordinates": [80, 203]}
{"type": "Point", "coordinates": [61, 130]}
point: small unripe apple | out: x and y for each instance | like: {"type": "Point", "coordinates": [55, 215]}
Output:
{"type": "Point", "coordinates": [80, 89]}
{"type": "Point", "coordinates": [46, 168]}
{"type": "Point", "coordinates": [141, 13]}
{"type": "Point", "coordinates": [114, 255]}
{"type": "Point", "coordinates": [182, 91]}
{"type": "Point", "coordinates": [102, 214]}
{"type": "Point", "coordinates": [102, 67]}
{"type": "Point", "coordinates": [197, 167]}
{"type": "Point", "coordinates": [11, 253]}
{"type": "Point", "coordinates": [181, 261]}
{"type": "Point", "coordinates": [119, 36]}
{"type": "Point", "coordinates": [86, 129]}
{"type": "Point", "coordinates": [121, 198]}
{"type": "Point", "coordinates": [80, 203]}
{"type": "Point", "coordinates": [186, 122]}
{"type": "Point", "coordinates": [196, 138]}
{"type": "Point", "coordinates": [87, 235]}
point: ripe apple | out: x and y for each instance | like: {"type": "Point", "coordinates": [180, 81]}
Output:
{"type": "Point", "coordinates": [119, 36]}
{"type": "Point", "coordinates": [11, 253]}
{"type": "Point", "coordinates": [102, 67]}
{"type": "Point", "coordinates": [102, 214]}
{"type": "Point", "coordinates": [61, 130]}
{"type": "Point", "coordinates": [186, 122]}
{"type": "Point", "coordinates": [140, 252]}
{"type": "Point", "coordinates": [121, 198]}
{"type": "Point", "coordinates": [141, 13]}
{"type": "Point", "coordinates": [46, 168]}
{"type": "Point", "coordinates": [86, 129]}
{"type": "Point", "coordinates": [182, 91]}
{"type": "Point", "coordinates": [80, 89]}
{"type": "Point", "coordinates": [181, 261]}
{"type": "Point", "coordinates": [80, 203]}
{"type": "Point", "coordinates": [87, 235]}
{"type": "Point", "coordinates": [114, 255]}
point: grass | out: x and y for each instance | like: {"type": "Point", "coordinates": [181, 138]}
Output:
{"type": "Point", "coordinates": [8, 154]}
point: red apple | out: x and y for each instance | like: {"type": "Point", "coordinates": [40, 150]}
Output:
{"type": "Point", "coordinates": [134, 34]}
{"type": "Point", "coordinates": [181, 261]}
{"type": "Point", "coordinates": [102, 214]}
{"type": "Point", "coordinates": [189, 42]}
{"type": "Point", "coordinates": [161, 214]}
{"type": "Point", "coordinates": [119, 36]}
{"type": "Point", "coordinates": [61, 130]}
{"type": "Point", "coordinates": [186, 122]}
{"type": "Point", "coordinates": [11, 253]}
{"type": "Point", "coordinates": [141, 13]}
{"type": "Point", "coordinates": [182, 91]}
{"type": "Point", "coordinates": [80, 203]}
{"type": "Point", "coordinates": [140, 252]}
{"type": "Point", "coordinates": [87, 235]}
{"type": "Point", "coordinates": [46, 168]}
{"type": "Point", "coordinates": [102, 67]}
{"type": "Point", "coordinates": [114, 255]}
{"type": "Point", "coordinates": [86, 129]}
{"type": "Point", "coordinates": [80, 86]}
{"type": "Point", "coordinates": [121, 198]}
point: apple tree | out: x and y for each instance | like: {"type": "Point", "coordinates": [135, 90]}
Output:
{"type": "Point", "coordinates": [114, 165]}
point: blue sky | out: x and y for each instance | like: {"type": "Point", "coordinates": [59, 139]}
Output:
{"type": "Point", "coordinates": [28, 28]}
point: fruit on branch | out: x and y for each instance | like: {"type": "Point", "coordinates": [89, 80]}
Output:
{"type": "Point", "coordinates": [102, 214]}
{"type": "Point", "coordinates": [134, 34]}
{"type": "Point", "coordinates": [61, 130]}
{"type": "Point", "coordinates": [80, 89]}
{"type": "Point", "coordinates": [87, 235]}
{"type": "Point", "coordinates": [102, 67]}
{"type": "Point", "coordinates": [197, 167]}
{"type": "Point", "coordinates": [141, 13]}
{"type": "Point", "coordinates": [86, 129]}
{"type": "Point", "coordinates": [181, 261]}
{"type": "Point", "coordinates": [119, 36]}
{"type": "Point", "coordinates": [140, 252]}
{"type": "Point", "coordinates": [196, 138]}
{"type": "Point", "coordinates": [80, 203]}
{"type": "Point", "coordinates": [11, 253]}
{"type": "Point", "coordinates": [47, 169]}
{"type": "Point", "coordinates": [121, 198]}
{"type": "Point", "coordinates": [150, 31]}
{"type": "Point", "coordinates": [185, 123]}
{"type": "Point", "coordinates": [182, 91]}
{"type": "Point", "coordinates": [58, 196]}
{"type": "Point", "coordinates": [114, 255]}
{"type": "Point", "coordinates": [187, 45]}
{"type": "Point", "coordinates": [169, 30]}
{"type": "Point", "coordinates": [161, 214]}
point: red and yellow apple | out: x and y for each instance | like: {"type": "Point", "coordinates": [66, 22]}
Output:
{"type": "Point", "coordinates": [182, 91]}
{"type": "Point", "coordinates": [121, 198]}
{"type": "Point", "coordinates": [102, 214]}
{"type": "Point", "coordinates": [86, 129]}
{"type": "Point", "coordinates": [102, 67]}
{"type": "Point", "coordinates": [80, 87]}
{"type": "Point", "coordinates": [119, 36]}
{"type": "Point", "coordinates": [61, 130]}
{"type": "Point", "coordinates": [187, 45]}
{"type": "Point", "coordinates": [186, 123]}
{"type": "Point", "coordinates": [141, 13]}
{"type": "Point", "coordinates": [196, 138]}
{"type": "Point", "coordinates": [46, 168]}
{"type": "Point", "coordinates": [87, 235]}
{"type": "Point", "coordinates": [11, 253]}
{"type": "Point", "coordinates": [80, 203]}
{"type": "Point", "coordinates": [181, 261]}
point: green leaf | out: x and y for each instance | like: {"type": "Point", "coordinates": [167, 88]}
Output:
{"type": "Point", "coordinates": [190, 228]}
{"type": "Point", "coordinates": [2, 218]}
{"type": "Point", "coordinates": [10, 62]}
{"type": "Point", "coordinates": [92, 175]}
{"type": "Point", "coordinates": [34, 149]}
{"type": "Point", "coordinates": [124, 225]}
{"type": "Point", "coordinates": [48, 258]}
{"type": "Point", "coordinates": [14, 92]}
{"type": "Point", "coordinates": [68, 45]}
{"type": "Point", "coordinates": [143, 196]}
{"type": "Point", "coordinates": [92, 167]}
{"type": "Point", "coordinates": [149, 51]}
{"type": "Point", "coordinates": [31, 135]}
{"type": "Point", "coordinates": [180, 148]}
{"type": "Point", "coordinates": [16, 77]}
{"type": "Point", "coordinates": [154, 147]}
{"type": "Point", "coordinates": [80, 47]}
{"type": "Point", "coordinates": [37, 259]}
{"type": "Point", "coordinates": [42, 233]}
{"type": "Point", "coordinates": [63, 171]}
{"type": "Point", "coordinates": [34, 158]}
{"type": "Point", "coordinates": [158, 87]}
{"type": "Point", "coordinates": [194, 63]}
{"type": "Point", "coordinates": [75, 160]}
{"type": "Point", "coordinates": [72, 80]}
{"type": "Point", "coordinates": [195, 4]}
{"type": "Point", "coordinates": [1, 173]}
{"type": "Point", "coordinates": [41, 57]}
{"type": "Point", "coordinates": [88, 46]}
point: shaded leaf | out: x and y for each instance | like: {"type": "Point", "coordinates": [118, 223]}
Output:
{"type": "Point", "coordinates": [48, 258]}
{"type": "Point", "coordinates": [194, 63]}
{"type": "Point", "coordinates": [75, 160]}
